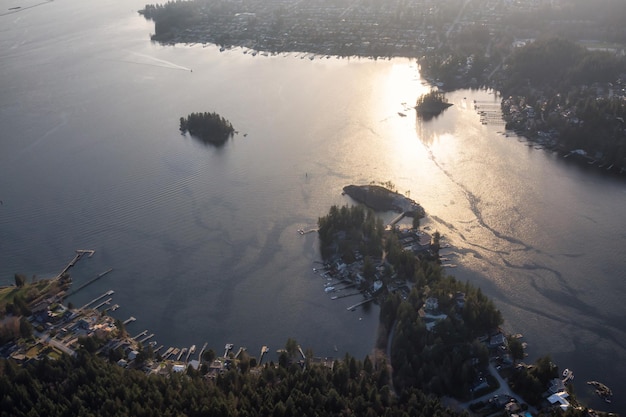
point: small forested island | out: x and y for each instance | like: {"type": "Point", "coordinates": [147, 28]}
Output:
{"type": "Point", "coordinates": [210, 128]}
{"type": "Point", "coordinates": [431, 105]}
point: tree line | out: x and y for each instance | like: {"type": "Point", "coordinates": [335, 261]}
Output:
{"type": "Point", "coordinates": [90, 386]}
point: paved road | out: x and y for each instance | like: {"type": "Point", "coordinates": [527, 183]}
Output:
{"type": "Point", "coordinates": [504, 389]}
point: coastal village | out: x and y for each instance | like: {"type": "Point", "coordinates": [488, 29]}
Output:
{"type": "Point", "coordinates": [54, 329]}
{"type": "Point", "coordinates": [38, 324]}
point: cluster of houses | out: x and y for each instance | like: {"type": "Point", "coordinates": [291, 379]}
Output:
{"type": "Point", "coordinates": [340, 28]}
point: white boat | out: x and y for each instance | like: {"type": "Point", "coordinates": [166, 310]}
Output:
{"type": "Point", "coordinates": [329, 289]}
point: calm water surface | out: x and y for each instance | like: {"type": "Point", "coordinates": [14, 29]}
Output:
{"type": "Point", "coordinates": [203, 241]}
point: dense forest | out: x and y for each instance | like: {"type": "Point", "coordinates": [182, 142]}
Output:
{"type": "Point", "coordinates": [558, 65]}
{"type": "Point", "coordinates": [90, 386]}
{"type": "Point", "coordinates": [208, 127]}
{"type": "Point", "coordinates": [358, 227]}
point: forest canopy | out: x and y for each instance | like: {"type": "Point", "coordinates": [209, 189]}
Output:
{"type": "Point", "coordinates": [210, 128]}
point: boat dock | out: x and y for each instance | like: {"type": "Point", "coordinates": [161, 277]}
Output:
{"type": "Point", "coordinates": [79, 254]}
{"type": "Point", "coordinates": [264, 350]}
{"type": "Point", "coordinates": [396, 219]}
{"type": "Point", "coordinates": [227, 348]}
{"type": "Point", "coordinates": [107, 301]}
{"type": "Point", "coordinates": [145, 332]}
{"type": "Point", "coordinates": [150, 336]}
{"type": "Point", "coordinates": [336, 297]}
{"type": "Point", "coordinates": [129, 320]}
{"type": "Point", "coordinates": [110, 292]}
{"type": "Point", "coordinates": [202, 351]}
{"type": "Point", "coordinates": [353, 307]}
{"type": "Point", "coordinates": [100, 275]}
{"type": "Point", "coordinates": [191, 350]}
{"type": "Point", "coordinates": [239, 352]}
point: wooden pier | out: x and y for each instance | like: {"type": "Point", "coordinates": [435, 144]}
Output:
{"type": "Point", "coordinates": [129, 320]}
{"type": "Point", "coordinates": [107, 301]}
{"type": "Point", "coordinates": [110, 292]}
{"type": "Point", "coordinates": [145, 332]}
{"type": "Point", "coordinates": [353, 307]}
{"type": "Point", "coordinates": [264, 350]}
{"type": "Point", "coordinates": [100, 275]}
{"type": "Point", "coordinates": [227, 348]}
{"type": "Point", "coordinates": [396, 219]}
{"type": "Point", "coordinates": [352, 294]}
{"type": "Point", "coordinates": [79, 254]}
{"type": "Point", "coordinates": [239, 352]}
{"type": "Point", "coordinates": [202, 351]}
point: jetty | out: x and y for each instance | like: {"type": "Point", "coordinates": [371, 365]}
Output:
{"type": "Point", "coordinates": [202, 351]}
{"type": "Point", "coordinates": [79, 254]}
{"type": "Point", "coordinates": [239, 352]}
{"type": "Point", "coordinates": [129, 320]}
{"type": "Point", "coordinates": [145, 332]}
{"type": "Point", "coordinates": [107, 301]}
{"type": "Point", "coordinates": [191, 350]}
{"type": "Point", "coordinates": [396, 219]}
{"type": "Point", "coordinates": [100, 275]}
{"type": "Point", "coordinates": [301, 352]}
{"type": "Point", "coordinates": [352, 294]}
{"type": "Point", "coordinates": [353, 307]}
{"type": "Point", "coordinates": [227, 348]}
{"type": "Point", "coordinates": [181, 353]}
{"type": "Point", "coordinates": [110, 292]}
{"type": "Point", "coordinates": [264, 350]}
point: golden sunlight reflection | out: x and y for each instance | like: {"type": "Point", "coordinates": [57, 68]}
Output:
{"type": "Point", "coordinates": [402, 88]}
